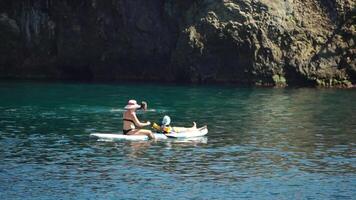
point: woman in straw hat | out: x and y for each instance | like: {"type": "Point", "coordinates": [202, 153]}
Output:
{"type": "Point", "coordinates": [133, 126]}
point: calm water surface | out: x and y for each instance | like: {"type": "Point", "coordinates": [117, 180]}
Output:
{"type": "Point", "coordinates": [262, 143]}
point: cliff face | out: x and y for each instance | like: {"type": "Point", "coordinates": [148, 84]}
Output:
{"type": "Point", "coordinates": [264, 42]}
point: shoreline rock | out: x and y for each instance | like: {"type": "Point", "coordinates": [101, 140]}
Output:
{"type": "Point", "coordinates": [263, 43]}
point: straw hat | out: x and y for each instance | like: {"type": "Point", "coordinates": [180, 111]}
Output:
{"type": "Point", "coordinates": [132, 104]}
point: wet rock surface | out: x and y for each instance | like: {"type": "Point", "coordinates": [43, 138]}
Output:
{"type": "Point", "coordinates": [273, 43]}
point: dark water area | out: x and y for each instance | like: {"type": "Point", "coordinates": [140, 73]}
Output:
{"type": "Point", "coordinates": [262, 143]}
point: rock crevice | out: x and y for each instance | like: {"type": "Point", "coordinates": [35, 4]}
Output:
{"type": "Point", "coordinates": [265, 42]}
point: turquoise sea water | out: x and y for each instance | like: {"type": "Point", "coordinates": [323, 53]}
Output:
{"type": "Point", "coordinates": [262, 143]}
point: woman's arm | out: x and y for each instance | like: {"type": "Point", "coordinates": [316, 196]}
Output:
{"type": "Point", "coordinates": [138, 123]}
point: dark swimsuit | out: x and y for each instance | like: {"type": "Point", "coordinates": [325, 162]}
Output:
{"type": "Point", "coordinates": [125, 132]}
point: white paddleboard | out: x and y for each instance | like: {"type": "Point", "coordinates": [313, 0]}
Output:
{"type": "Point", "coordinates": [159, 136]}
{"type": "Point", "coordinates": [120, 136]}
{"type": "Point", "coordinates": [189, 134]}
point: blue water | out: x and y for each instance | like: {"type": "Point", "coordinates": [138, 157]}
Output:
{"type": "Point", "coordinates": [262, 143]}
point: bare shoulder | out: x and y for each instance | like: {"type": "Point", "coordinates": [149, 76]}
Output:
{"type": "Point", "coordinates": [129, 115]}
{"type": "Point", "coordinates": [126, 114]}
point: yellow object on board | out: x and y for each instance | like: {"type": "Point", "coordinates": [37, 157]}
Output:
{"type": "Point", "coordinates": [156, 126]}
{"type": "Point", "coordinates": [167, 129]}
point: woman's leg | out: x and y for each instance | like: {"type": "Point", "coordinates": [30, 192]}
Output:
{"type": "Point", "coordinates": [142, 132]}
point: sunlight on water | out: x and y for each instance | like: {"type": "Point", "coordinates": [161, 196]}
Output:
{"type": "Point", "coordinates": [262, 143]}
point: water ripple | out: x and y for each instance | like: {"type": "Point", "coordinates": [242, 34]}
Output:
{"type": "Point", "coordinates": [262, 144]}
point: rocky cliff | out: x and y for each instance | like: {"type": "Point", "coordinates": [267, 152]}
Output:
{"type": "Point", "coordinates": [257, 42]}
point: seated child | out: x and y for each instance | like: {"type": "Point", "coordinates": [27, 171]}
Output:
{"type": "Point", "coordinates": [166, 128]}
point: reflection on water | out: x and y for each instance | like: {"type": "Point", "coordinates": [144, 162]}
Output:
{"type": "Point", "coordinates": [262, 143]}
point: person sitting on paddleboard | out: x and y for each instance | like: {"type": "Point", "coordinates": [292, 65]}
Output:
{"type": "Point", "coordinates": [131, 124]}
{"type": "Point", "coordinates": [166, 128]}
